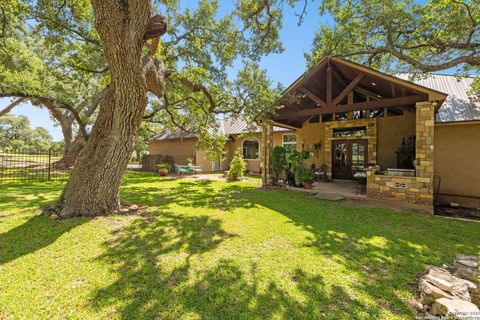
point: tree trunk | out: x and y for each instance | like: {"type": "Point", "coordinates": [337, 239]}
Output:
{"type": "Point", "coordinates": [71, 152]}
{"type": "Point", "coordinates": [93, 188]}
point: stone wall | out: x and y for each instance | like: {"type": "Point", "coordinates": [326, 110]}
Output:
{"type": "Point", "coordinates": [419, 189]}
{"type": "Point", "coordinates": [414, 190]}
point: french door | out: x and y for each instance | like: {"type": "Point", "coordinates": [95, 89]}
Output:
{"type": "Point", "coordinates": [348, 155]}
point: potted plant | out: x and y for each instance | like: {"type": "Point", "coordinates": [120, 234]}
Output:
{"type": "Point", "coordinates": [307, 180]}
{"type": "Point", "coordinates": [163, 168]}
{"type": "Point", "coordinates": [296, 166]}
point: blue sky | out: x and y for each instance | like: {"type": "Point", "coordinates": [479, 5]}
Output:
{"type": "Point", "coordinates": [283, 68]}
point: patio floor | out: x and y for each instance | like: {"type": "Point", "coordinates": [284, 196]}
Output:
{"type": "Point", "coordinates": [337, 190]}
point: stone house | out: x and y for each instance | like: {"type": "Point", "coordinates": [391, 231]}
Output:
{"type": "Point", "coordinates": [418, 139]}
{"type": "Point", "coordinates": [182, 145]}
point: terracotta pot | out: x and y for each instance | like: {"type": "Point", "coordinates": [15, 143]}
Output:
{"type": "Point", "coordinates": [307, 186]}
{"type": "Point", "coordinates": [163, 172]}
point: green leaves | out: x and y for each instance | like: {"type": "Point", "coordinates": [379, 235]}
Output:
{"type": "Point", "coordinates": [16, 134]}
{"type": "Point", "coordinates": [402, 35]}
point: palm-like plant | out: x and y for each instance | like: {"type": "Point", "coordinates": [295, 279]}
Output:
{"type": "Point", "coordinates": [279, 161]}
{"type": "Point", "coordinates": [297, 167]}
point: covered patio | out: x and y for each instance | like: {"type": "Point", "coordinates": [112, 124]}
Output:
{"type": "Point", "coordinates": [354, 120]}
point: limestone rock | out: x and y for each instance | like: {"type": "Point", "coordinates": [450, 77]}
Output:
{"type": "Point", "coordinates": [475, 295]}
{"type": "Point", "coordinates": [468, 267]}
{"type": "Point", "coordinates": [445, 306]}
{"type": "Point", "coordinates": [468, 261]}
{"type": "Point", "coordinates": [443, 280]}
{"type": "Point", "coordinates": [468, 273]}
{"type": "Point", "coordinates": [430, 293]}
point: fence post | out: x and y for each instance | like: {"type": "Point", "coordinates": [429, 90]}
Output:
{"type": "Point", "coordinates": [49, 162]}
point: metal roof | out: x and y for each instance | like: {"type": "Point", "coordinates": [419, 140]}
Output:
{"type": "Point", "coordinates": [459, 105]}
{"type": "Point", "coordinates": [225, 126]}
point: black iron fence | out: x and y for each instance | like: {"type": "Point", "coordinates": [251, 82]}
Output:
{"type": "Point", "coordinates": [31, 166]}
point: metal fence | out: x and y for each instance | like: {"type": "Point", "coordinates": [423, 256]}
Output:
{"type": "Point", "coordinates": [26, 166]}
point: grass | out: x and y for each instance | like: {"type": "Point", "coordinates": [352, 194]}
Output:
{"type": "Point", "coordinates": [215, 250]}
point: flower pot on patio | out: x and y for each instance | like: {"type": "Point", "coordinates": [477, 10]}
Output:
{"type": "Point", "coordinates": [163, 168]}
{"type": "Point", "coordinates": [307, 180]}
{"type": "Point", "coordinates": [307, 185]}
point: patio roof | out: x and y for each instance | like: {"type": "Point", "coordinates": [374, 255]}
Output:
{"type": "Point", "coordinates": [336, 85]}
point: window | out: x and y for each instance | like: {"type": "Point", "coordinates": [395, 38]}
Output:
{"type": "Point", "coordinates": [250, 149]}
{"type": "Point", "coordinates": [314, 119]}
{"type": "Point", "coordinates": [349, 132]}
{"type": "Point", "coordinates": [289, 142]}
{"type": "Point", "coordinates": [327, 117]}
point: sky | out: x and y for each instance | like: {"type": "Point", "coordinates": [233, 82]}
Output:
{"type": "Point", "coordinates": [284, 67]}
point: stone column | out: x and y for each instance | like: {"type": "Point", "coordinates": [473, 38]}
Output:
{"type": "Point", "coordinates": [266, 152]}
{"type": "Point", "coordinates": [425, 122]}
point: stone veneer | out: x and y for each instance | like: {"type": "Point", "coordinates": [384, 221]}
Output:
{"type": "Point", "coordinates": [371, 137]}
{"type": "Point", "coordinates": [419, 189]}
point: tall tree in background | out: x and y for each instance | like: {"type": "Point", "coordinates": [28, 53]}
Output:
{"type": "Point", "coordinates": [16, 134]}
{"type": "Point", "coordinates": [42, 64]}
{"type": "Point", "coordinates": [402, 35]}
{"type": "Point", "coordinates": [188, 74]}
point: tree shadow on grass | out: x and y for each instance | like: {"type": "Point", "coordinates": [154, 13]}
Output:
{"type": "Point", "coordinates": [167, 270]}
{"type": "Point", "coordinates": [139, 253]}
{"type": "Point", "coordinates": [36, 233]}
{"type": "Point", "coordinates": [22, 196]}
{"type": "Point", "coordinates": [163, 273]}
{"type": "Point", "coordinates": [385, 250]}
{"type": "Point", "coordinates": [196, 194]}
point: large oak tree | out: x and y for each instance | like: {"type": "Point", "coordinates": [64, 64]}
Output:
{"type": "Point", "coordinates": [186, 80]}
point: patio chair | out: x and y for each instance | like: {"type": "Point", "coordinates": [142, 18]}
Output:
{"type": "Point", "coordinates": [197, 169]}
{"type": "Point", "coordinates": [321, 173]}
{"type": "Point", "coordinates": [359, 177]}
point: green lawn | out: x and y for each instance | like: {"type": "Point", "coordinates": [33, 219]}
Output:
{"type": "Point", "coordinates": [214, 250]}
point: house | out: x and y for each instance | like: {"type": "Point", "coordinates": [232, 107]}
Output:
{"type": "Point", "coordinates": [419, 139]}
{"type": "Point", "coordinates": [182, 145]}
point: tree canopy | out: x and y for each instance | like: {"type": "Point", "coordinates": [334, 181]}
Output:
{"type": "Point", "coordinates": [403, 35]}
{"type": "Point", "coordinates": [16, 134]}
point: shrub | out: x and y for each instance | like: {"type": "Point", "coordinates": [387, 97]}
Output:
{"type": "Point", "coordinates": [279, 161]}
{"type": "Point", "coordinates": [297, 167]}
{"type": "Point", "coordinates": [237, 167]}
{"type": "Point", "coordinates": [164, 166]}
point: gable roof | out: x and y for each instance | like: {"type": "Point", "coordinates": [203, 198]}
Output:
{"type": "Point", "coordinates": [225, 126]}
{"type": "Point", "coordinates": [324, 88]}
{"type": "Point", "coordinates": [459, 105]}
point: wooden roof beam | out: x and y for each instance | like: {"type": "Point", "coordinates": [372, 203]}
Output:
{"type": "Point", "coordinates": [348, 89]}
{"type": "Point", "coordinates": [329, 86]}
{"type": "Point", "coordinates": [313, 97]}
{"type": "Point", "coordinates": [382, 103]}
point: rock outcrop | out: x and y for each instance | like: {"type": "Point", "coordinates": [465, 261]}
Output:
{"type": "Point", "coordinates": [452, 291]}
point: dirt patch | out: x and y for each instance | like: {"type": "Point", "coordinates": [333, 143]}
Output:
{"type": "Point", "coordinates": [459, 212]}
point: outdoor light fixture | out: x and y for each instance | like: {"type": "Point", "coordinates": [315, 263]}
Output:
{"type": "Point", "coordinates": [373, 84]}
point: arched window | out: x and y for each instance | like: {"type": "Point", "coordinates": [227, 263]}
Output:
{"type": "Point", "coordinates": [251, 149]}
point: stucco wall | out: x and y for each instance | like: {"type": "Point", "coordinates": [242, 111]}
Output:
{"type": "Point", "coordinates": [391, 131]}
{"type": "Point", "coordinates": [253, 166]}
{"type": "Point", "coordinates": [179, 149]}
{"type": "Point", "coordinates": [457, 162]}
{"type": "Point", "coordinates": [312, 133]}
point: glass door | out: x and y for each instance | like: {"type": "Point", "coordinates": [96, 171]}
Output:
{"type": "Point", "coordinates": [348, 156]}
